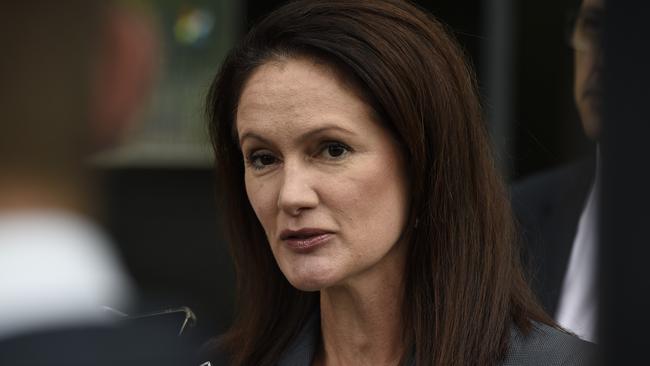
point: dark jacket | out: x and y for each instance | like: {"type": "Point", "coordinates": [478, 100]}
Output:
{"type": "Point", "coordinates": [98, 345]}
{"type": "Point", "coordinates": [547, 207]}
{"type": "Point", "coordinates": [544, 346]}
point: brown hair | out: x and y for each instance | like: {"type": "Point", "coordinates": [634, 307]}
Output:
{"type": "Point", "coordinates": [45, 70]}
{"type": "Point", "coordinates": [464, 287]}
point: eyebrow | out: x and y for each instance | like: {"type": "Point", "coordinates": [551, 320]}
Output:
{"type": "Point", "coordinates": [305, 136]}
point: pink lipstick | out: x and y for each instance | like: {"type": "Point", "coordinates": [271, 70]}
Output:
{"type": "Point", "coordinates": [305, 239]}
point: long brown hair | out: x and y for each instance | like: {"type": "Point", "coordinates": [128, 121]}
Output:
{"type": "Point", "coordinates": [464, 288]}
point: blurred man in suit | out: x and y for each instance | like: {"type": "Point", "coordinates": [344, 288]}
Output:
{"type": "Point", "coordinates": [73, 75]}
{"type": "Point", "coordinates": [557, 209]}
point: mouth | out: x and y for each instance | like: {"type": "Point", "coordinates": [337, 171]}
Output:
{"type": "Point", "coordinates": [305, 239]}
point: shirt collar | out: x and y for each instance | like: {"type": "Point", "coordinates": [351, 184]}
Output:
{"type": "Point", "coordinates": [56, 269]}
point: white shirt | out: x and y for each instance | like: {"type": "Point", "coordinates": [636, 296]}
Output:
{"type": "Point", "coordinates": [578, 306]}
{"type": "Point", "coordinates": [56, 269]}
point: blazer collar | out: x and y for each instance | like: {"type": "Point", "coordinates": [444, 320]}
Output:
{"type": "Point", "coordinates": [301, 352]}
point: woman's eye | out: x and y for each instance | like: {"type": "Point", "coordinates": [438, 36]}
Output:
{"type": "Point", "coordinates": [261, 160]}
{"type": "Point", "coordinates": [334, 150]}
{"type": "Point", "coordinates": [589, 24]}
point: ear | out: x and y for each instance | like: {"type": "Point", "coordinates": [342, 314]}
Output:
{"type": "Point", "coordinates": [127, 60]}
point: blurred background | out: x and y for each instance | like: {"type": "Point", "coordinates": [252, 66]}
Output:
{"type": "Point", "coordinates": [160, 198]}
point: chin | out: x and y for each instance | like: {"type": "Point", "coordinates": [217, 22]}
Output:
{"type": "Point", "coordinates": [314, 277]}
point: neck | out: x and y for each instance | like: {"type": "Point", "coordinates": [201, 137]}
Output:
{"type": "Point", "coordinates": [361, 321]}
{"type": "Point", "coordinates": [19, 192]}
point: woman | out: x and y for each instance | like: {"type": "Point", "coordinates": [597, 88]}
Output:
{"type": "Point", "coordinates": [367, 222]}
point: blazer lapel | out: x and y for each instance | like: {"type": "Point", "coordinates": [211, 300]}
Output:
{"type": "Point", "coordinates": [301, 352]}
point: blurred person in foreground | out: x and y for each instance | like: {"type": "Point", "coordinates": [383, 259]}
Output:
{"type": "Point", "coordinates": [557, 210]}
{"type": "Point", "coordinates": [73, 73]}
{"type": "Point", "coordinates": [367, 221]}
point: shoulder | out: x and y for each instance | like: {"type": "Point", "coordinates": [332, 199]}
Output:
{"type": "Point", "coordinates": [299, 351]}
{"type": "Point", "coordinates": [553, 182]}
{"type": "Point", "coordinates": [547, 346]}
{"type": "Point", "coordinates": [97, 345]}
{"type": "Point", "coordinates": [557, 195]}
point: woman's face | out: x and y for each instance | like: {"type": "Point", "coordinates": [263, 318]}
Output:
{"type": "Point", "coordinates": [326, 181]}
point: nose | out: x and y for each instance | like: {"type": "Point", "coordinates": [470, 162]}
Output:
{"type": "Point", "coordinates": [297, 192]}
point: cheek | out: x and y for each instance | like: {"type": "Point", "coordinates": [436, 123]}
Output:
{"type": "Point", "coordinates": [373, 203]}
{"type": "Point", "coordinates": [261, 199]}
{"type": "Point", "coordinates": [581, 66]}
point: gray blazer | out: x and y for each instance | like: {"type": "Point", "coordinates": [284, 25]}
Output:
{"type": "Point", "coordinates": [544, 346]}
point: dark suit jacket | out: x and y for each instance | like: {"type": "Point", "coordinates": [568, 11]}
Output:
{"type": "Point", "coordinates": [544, 346]}
{"type": "Point", "coordinates": [547, 207]}
{"type": "Point", "coordinates": [98, 346]}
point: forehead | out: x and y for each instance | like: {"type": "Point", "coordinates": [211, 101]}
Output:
{"type": "Point", "coordinates": [293, 92]}
{"type": "Point", "coordinates": [277, 79]}
{"type": "Point", "coordinates": [592, 4]}
{"type": "Point", "coordinates": [300, 77]}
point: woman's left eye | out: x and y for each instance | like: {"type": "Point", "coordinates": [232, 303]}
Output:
{"type": "Point", "coordinates": [334, 150]}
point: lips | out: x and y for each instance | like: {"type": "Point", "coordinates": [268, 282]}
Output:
{"type": "Point", "coordinates": [305, 239]}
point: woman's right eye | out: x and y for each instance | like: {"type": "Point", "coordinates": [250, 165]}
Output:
{"type": "Point", "coordinates": [261, 160]}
